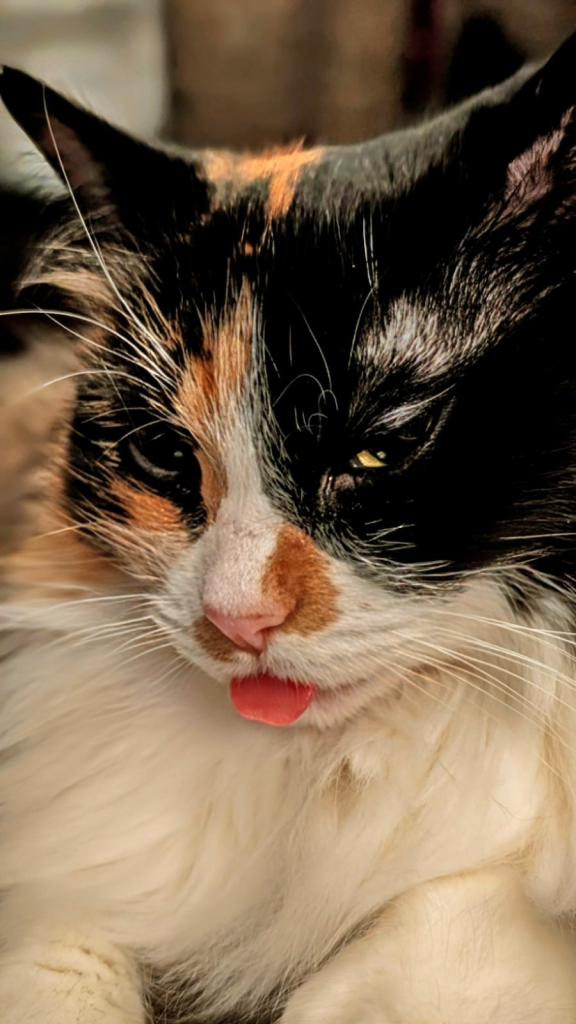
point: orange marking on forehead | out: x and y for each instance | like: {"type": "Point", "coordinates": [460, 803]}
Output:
{"type": "Point", "coordinates": [298, 575]}
{"type": "Point", "coordinates": [280, 168]}
{"type": "Point", "coordinates": [213, 379]}
{"type": "Point", "coordinates": [230, 343]}
{"type": "Point", "coordinates": [284, 175]}
{"type": "Point", "coordinates": [147, 510]}
{"type": "Point", "coordinates": [210, 387]}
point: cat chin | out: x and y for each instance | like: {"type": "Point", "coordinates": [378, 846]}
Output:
{"type": "Point", "coordinates": [335, 707]}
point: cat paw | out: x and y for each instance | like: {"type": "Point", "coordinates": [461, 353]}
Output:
{"type": "Point", "coordinates": [63, 982]}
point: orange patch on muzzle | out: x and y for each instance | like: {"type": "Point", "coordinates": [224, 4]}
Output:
{"type": "Point", "coordinates": [298, 575]}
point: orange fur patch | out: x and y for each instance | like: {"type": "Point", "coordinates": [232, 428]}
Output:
{"type": "Point", "coordinates": [208, 388]}
{"type": "Point", "coordinates": [298, 576]}
{"type": "Point", "coordinates": [280, 168]}
{"type": "Point", "coordinates": [212, 641]}
{"type": "Point", "coordinates": [146, 510]}
{"type": "Point", "coordinates": [212, 483]}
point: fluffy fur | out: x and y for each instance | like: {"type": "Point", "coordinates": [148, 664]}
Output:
{"type": "Point", "coordinates": [247, 329]}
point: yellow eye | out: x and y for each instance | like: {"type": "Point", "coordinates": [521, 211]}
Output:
{"type": "Point", "coordinates": [369, 460]}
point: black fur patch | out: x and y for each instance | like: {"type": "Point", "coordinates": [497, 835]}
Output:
{"type": "Point", "coordinates": [406, 271]}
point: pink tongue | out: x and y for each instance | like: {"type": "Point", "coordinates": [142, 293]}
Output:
{"type": "Point", "coordinates": [269, 699]}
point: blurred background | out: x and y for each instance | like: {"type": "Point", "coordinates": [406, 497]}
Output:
{"type": "Point", "coordinates": [245, 73]}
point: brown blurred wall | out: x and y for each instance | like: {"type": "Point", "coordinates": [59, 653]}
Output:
{"type": "Point", "coordinates": [247, 73]}
{"type": "Point", "coordinates": [536, 26]}
{"type": "Point", "coordinates": [533, 27]}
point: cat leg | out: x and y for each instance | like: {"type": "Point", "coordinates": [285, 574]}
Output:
{"type": "Point", "coordinates": [75, 979]}
{"type": "Point", "coordinates": [464, 950]}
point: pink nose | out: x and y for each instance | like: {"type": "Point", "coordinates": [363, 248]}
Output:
{"type": "Point", "coordinates": [250, 632]}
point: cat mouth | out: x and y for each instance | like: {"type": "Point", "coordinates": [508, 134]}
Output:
{"type": "Point", "coordinates": [267, 698]}
{"type": "Point", "coordinates": [274, 701]}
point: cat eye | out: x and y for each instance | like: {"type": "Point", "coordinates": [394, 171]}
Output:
{"type": "Point", "coordinates": [159, 452]}
{"type": "Point", "coordinates": [395, 449]}
{"type": "Point", "coordinates": [368, 460]}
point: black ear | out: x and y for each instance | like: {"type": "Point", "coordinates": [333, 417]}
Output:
{"type": "Point", "coordinates": [77, 144]}
{"type": "Point", "coordinates": [101, 164]}
{"type": "Point", "coordinates": [554, 83]}
{"type": "Point", "coordinates": [518, 139]}
{"type": "Point", "coordinates": [540, 127]}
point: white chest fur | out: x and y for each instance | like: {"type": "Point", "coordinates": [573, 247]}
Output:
{"type": "Point", "coordinates": [138, 797]}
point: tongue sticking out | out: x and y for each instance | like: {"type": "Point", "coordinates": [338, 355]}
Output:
{"type": "Point", "coordinates": [269, 699]}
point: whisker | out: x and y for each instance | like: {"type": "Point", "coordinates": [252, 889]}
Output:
{"type": "Point", "coordinates": [328, 390]}
{"type": "Point", "coordinates": [141, 353]}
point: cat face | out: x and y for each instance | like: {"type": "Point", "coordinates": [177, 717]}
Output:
{"type": "Point", "coordinates": [325, 412]}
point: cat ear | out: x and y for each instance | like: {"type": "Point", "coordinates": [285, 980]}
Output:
{"type": "Point", "coordinates": [99, 163]}
{"type": "Point", "coordinates": [77, 144]}
{"type": "Point", "coordinates": [554, 84]}
{"type": "Point", "coordinates": [542, 126]}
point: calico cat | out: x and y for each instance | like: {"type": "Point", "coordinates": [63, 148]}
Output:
{"type": "Point", "coordinates": [288, 716]}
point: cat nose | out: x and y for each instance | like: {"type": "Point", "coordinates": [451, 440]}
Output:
{"type": "Point", "coordinates": [249, 632]}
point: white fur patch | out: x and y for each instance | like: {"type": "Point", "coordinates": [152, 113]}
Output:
{"type": "Point", "coordinates": [136, 799]}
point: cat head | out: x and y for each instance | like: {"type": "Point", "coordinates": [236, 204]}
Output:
{"type": "Point", "coordinates": [325, 413]}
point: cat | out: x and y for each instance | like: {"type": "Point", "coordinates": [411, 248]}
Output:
{"type": "Point", "coordinates": [288, 707]}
